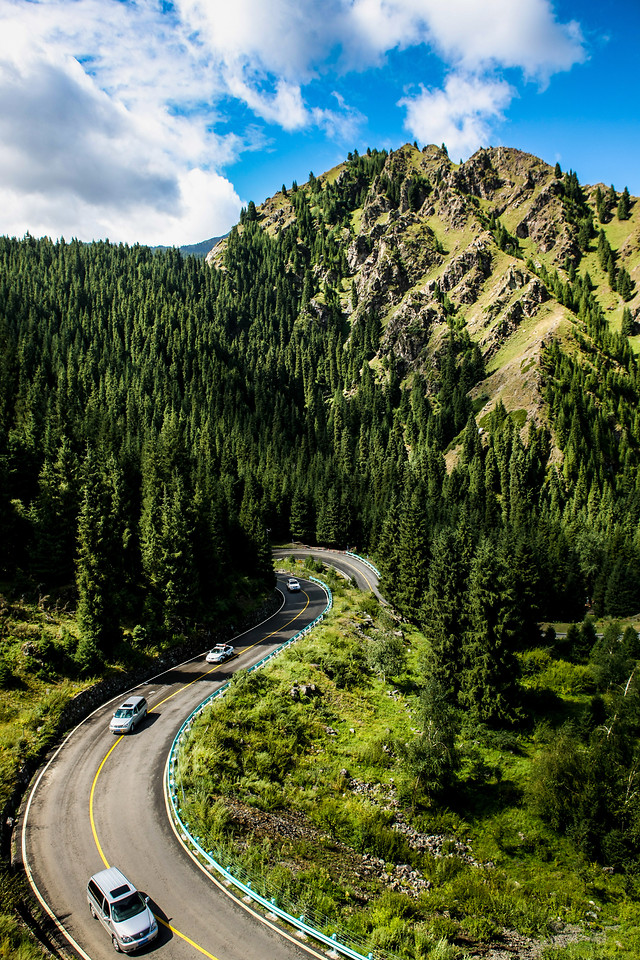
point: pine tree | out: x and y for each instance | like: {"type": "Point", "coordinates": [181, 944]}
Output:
{"type": "Point", "coordinates": [444, 611]}
{"type": "Point", "coordinates": [389, 551]}
{"type": "Point", "coordinates": [488, 688]}
{"type": "Point", "coordinates": [622, 595]}
{"type": "Point", "coordinates": [300, 518]}
{"type": "Point", "coordinates": [624, 205]}
{"type": "Point", "coordinates": [624, 284]}
{"type": "Point", "coordinates": [210, 548]}
{"type": "Point", "coordinates": [432, 758]}
{"type": "Point", "coordinates": [601, 206]}
{"type": "Point", "coordinates": [53, 516]}
{"type": "Point", "coordinates": [413, 553]}
{"type": "Point", "coordinates": [471, 444]}
{"type": "Point", "coordinates": [329, 527]}
{"type": "Point", "coordinates": [97, 610]}
{"type": "Point", "coordinates": [176, 573]}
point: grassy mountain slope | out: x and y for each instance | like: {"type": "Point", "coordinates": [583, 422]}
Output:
{"type": "Point", "coordinates": [432, 242]}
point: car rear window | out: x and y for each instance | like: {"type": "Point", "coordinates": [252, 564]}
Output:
{"type": "Point", "coordinates": [96, 893]}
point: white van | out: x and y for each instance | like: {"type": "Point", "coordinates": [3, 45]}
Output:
{"type": "Point", "coordinates": [129, 715]}
{"type": "Point", "coordinates": [121, 909]}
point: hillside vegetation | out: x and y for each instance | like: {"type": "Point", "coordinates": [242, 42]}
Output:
{"type": "Point", "coordinates": [403, 336]}
{"type": "Point", "coordinates": [434, 363]}
{"type": "Point", "coordinates": [343, 784]}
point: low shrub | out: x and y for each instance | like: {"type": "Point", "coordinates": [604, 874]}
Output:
{"type": "Point", "coordinates": [566, 679]}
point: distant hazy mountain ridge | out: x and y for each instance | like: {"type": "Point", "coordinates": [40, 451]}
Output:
{"type": "Point", "coordinates": [201, 249]}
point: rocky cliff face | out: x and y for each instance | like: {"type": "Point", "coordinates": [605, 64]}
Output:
{"type": "Point", "coordinates": [430, 243]}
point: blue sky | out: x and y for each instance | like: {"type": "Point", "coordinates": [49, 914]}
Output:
{"type": "Point", "coordinates": [155, 120]}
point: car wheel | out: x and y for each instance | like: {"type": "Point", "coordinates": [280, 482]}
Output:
{"type": "Point", "coordinates": [93, 912]}
{"type": "Point", "coordinates": [116, 945]}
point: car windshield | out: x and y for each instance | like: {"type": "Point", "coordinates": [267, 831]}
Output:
{"type": "Point", "coordinates": [123, 714]}
{"type": "Point", "coordinates": [128, 907]}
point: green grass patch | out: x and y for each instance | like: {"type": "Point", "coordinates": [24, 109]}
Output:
{"type": "Point", "coordinates": [300, 777]}
{"type": "Point", "coordinates": [527, 334]}
{"type": "Point", "coordinates": [479, 402]}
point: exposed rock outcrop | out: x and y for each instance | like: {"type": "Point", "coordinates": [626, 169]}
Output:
{"type": "Point", "coordinates": [473, 265]}
{"type": "Point", "coordinates": [427, 243]}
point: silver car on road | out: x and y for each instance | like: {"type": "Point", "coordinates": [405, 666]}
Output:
{"type": "Point", "coordinates": [121, 909]}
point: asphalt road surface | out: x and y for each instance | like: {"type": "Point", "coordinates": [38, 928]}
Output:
{"type": "Point", "coordinates": [100, 802]}
{"type": "Point", "coordinates": [354, 568]}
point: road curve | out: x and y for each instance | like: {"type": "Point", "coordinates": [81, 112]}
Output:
{"type": "Point", "coordinates": [99, 801]}
{"type": "Point", "coordinates": [352, 566]}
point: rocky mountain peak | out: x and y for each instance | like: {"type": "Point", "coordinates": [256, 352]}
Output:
{"type": "Point", "coordinates": [427, 245]}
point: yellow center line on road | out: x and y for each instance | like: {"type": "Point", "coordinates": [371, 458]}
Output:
{"type": "Point", "coordinates": [352, 566]}
{"type": "Point", "coordinates": [361, 572]}
{"type": "Point", "coordinates": [245, 649]}
{"type": "Point", "coordinates": [94, 831]}
{"type": "Point", "coordinates": [183, 936]}
{"type": "Point", "coordinates": [93, 790]}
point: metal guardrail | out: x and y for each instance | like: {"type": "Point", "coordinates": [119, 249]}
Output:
{"type": "Point", "coordinates": [226, 872]}
{"type": "Point", "coordinates": [367, 563]}
{"type": "Point", "coordinates": [300, 633]}
{"type": "Point", "coordinates": [347, 553]}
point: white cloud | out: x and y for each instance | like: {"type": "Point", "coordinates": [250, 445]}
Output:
{"type": "Point", "coordinates": [107, 146]}
{"type": "Point", "coordinates": [206, 204]}
{"type": "Point", "coordinates": [284, 107]}
{"type": "Point", "coordinates": [289, 39]}
{"type": "Point", "coordinates": [477, 40]}
{"type": "Point", "coordinates": [110, 111]}
{"type": "Point", "coordinates": [55, 121]}
{"type": "Point", "coordinates": [523, 34]}
{"type": "Point", "coordinates": [342, 124]}
{"type": "Point", "coordinates": [470, 34]}
{"type": "Point", "coordinates": [462, 115]}
{"type": "Point", "coordinates": [271, 50]}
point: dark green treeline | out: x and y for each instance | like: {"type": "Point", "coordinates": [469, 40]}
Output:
{"type": "Point", "coordinates": [160, 420]}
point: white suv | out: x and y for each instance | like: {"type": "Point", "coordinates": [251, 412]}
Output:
{"type": "Point", "coordinates": [122, 910]}
{"type": "Point", "coordinates": [129, 715]}
{"type": "Point", "coordinates": [292, 585]}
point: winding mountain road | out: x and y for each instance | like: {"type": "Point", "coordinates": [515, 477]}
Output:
{"type": "Point", "coordinates": [353, 567]}
{"type": "Point", "coordinates": [99, 801]}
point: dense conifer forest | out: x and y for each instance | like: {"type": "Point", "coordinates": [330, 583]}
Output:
{"type": "Point", "coordinates": [162, 419]}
